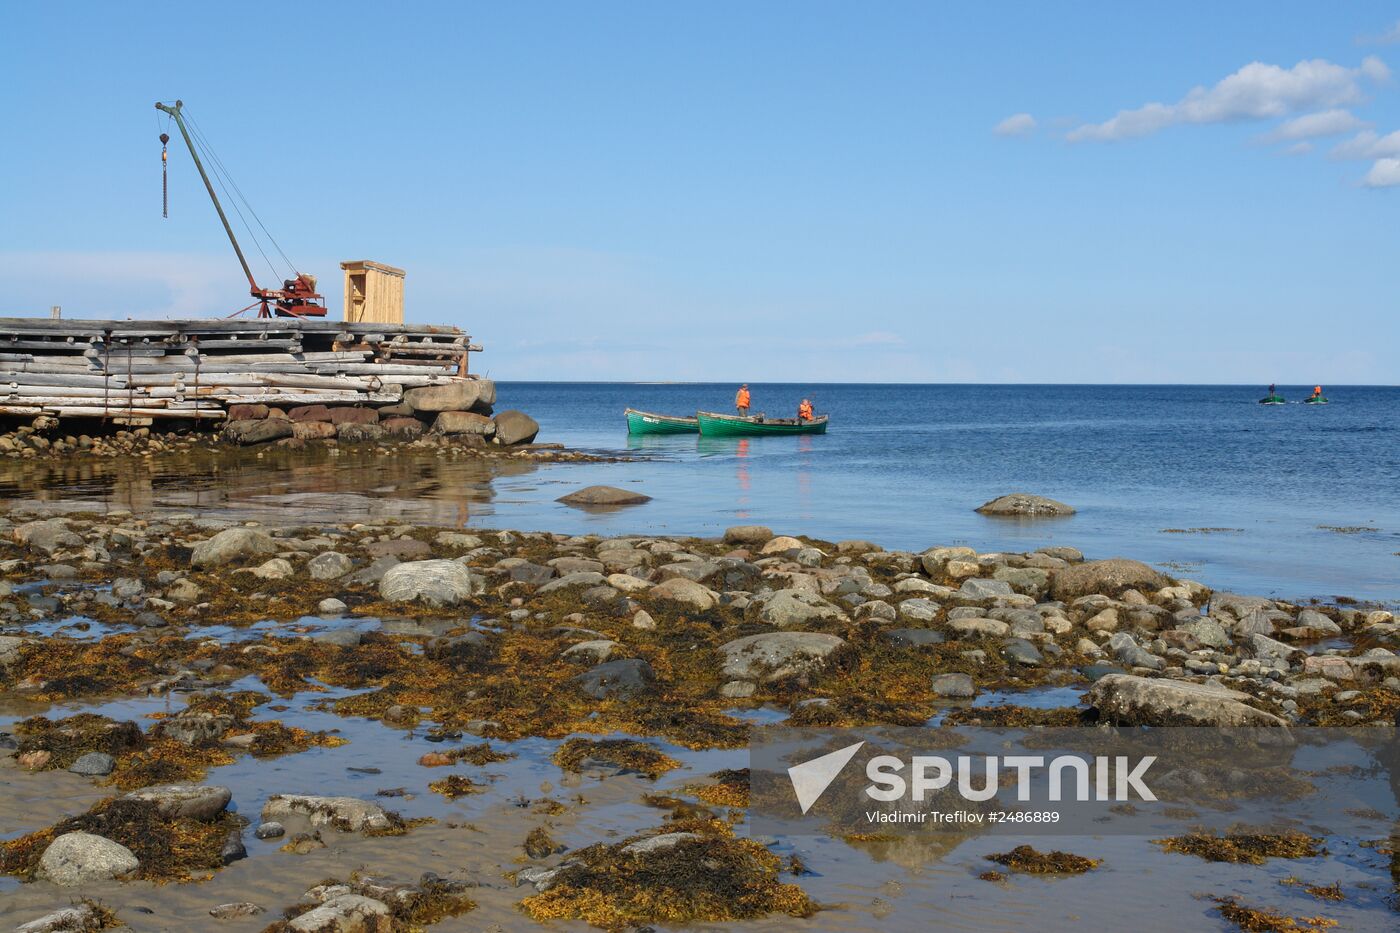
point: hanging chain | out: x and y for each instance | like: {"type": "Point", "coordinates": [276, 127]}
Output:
{"type": "Point", "coordinates": [164, 176]}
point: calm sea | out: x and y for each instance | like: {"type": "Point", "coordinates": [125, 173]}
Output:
{"type": "Point", "coordinates": [1297, 500]}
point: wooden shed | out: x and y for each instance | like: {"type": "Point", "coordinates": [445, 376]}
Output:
{"type": "Point", "coordinates": [373, 292]}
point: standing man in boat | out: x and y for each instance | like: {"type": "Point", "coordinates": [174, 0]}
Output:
{"type": "Point", "coordinates": [804, 410]}
{"type": "Point", "coordinates": [741, 400]}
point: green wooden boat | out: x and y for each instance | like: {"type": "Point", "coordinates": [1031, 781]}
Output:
{"type": "Point", "coordinates": [645, 422]}
{"type": "Point", "coordinates": [713, 424]}
{"type": "Point", "coordinates": [1273, 400]}
{"type": "Point", "coordinates": [1316, 400]}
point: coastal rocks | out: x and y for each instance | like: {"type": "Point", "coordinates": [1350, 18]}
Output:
{"type": "Point", "coordinates": [616, 678]}
{"type": "Point", "coordinates": [48, 535]}
{"type": "Point", "coordinates": [256, 432]}
{"type": "Point", "coordinates": [348, 814]}
{"type": "Point", "coordinates": [603, 496]}
{"type": "Point", "coordinates": [81, 858]}
{"type": "Point", "coordinates": [93, 764]}
{"type": "Point", "coordinates": [515, 427]}
{"type": "Point", "coordinates": [748, 535]}
{"type": "Point", "coordinates": [79, 918]}
{"type": "Point", "coordinates": [358, 433]}
{"type": "Point", "coordinates": [456, 396]}
{"type": "Point", "coordinates": [979, 588]}
{"type": "Point", "coordinates": [919, 610]}
{"type": "Point", "coordinates": [1025, 505]}
{"type": "Point", "coordinates": [953, 686]}
{"type": "Point", "coordinates": [777, 656]}
{"type": "Point", "coordinates": [1126, 649]}
{"type": "Point", "coordinates": [233, 545]}
{"type": "Point", "coordinates": [313, 430]}
{"type": "Point", "coordinates": [405, 428]}
{"type": "Point", "coordinates": [935, 561]}
{"type": "Point", "coordinates": [330, 565]}
{"type": "Point", "coordinates": [434, 582]}
{"type": "Point", "coordinates": [1108, 577]}
{"type": "Point", "coordinates": [463, 422]}
{"type": "Point", "coordinates": [1128, 700]}
{"type": "Point", "coordinates": [684, 592]}
{"type": "Point", "coordinates": [235, 911]}
{"type": "Point", "coordinates": [201, 802]}
{"type": "Point", "coordinates": [346, 913]}
{"type": "Point", "coordinates": [790, 607]}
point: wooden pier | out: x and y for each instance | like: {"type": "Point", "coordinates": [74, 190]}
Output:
{"type": "Point", "coordinates": [135, 371]}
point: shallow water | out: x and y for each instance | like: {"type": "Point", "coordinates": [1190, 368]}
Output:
{"type": "Point", "coordinates": [1293, 501]}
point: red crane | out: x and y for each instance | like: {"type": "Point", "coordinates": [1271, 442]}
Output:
{"type": "Point", "coordinates": [297, 297]}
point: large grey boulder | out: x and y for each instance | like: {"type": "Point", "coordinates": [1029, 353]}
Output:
{"type": "Point", "coordinates": [190, 801]}
{"type": "Point", "coordinates": [787, 608]}
{"type": "Point", "coordinates": [349, 814]}
{"type": "Point", "coordinates": [775, 656]}
{"type": "Point", "coordinates": [1109, 577]}
{"type": "Point", "coordinates": [356, 433]}
{"type": "Point", "coordinates": [82, 858]}
{"type": "Point", "coordinates": [515, 427]}
{"type": "Point", "coordinates": [232, 545]}
{"type": "Point", "coordinates": [48, 535]}
{"type": "Point", "coordinates": [457, 396]}
{"type": "Point", "coordinates": [463, 422]}
{"type": "Point", "coordinates": [982, 588]}
{"type": "Point", "coordinates": [79, 918]}
{"type": "Point", "coordinates": [345, 913]}
{"type": "Point", "coordinates": [684, 592]}
{"type": "Point", "coordinates": [1129, 700]}
{"type": "Point", "coordinates": [10, 646]}
{"type": "Point", "coordinates": [329, 565]}
{"type": "Point", "coordinates": [257, 432]}
{"type": "Point", "coordinates": [604, 496]}
{"type": "Point", "coordinates": [1025, 505]}
{"type": "Point", "coordinates": [623, 677]}
{"type": "Point", "coordinates": [435, 582]}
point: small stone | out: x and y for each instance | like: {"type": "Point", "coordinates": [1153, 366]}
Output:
{"type": "Point", "coordinates": [93, 764]}
{"type": "Point", "coordinates": [955, 686]}
{"type": "Point", "coordinates": [235, 911]}
{"type": "Point", "coordinates": [270, 830]}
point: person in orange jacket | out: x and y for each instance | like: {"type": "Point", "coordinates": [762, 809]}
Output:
{"type": "Point", "coordinates": [741, 400]}
{"type": "Point", "coordinates": [804, 411]}
{"type": "Point", "coordinates": [1317, 391]}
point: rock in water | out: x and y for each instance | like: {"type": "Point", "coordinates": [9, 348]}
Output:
{"type": "Point", "coordinates": [232, 545]}
{"type": "Point", "coordinates": [463, 422]}
{"type": "Point", "coordinates": [1129, 700]}
{"type": "Point", "coordinates": [603, 495]}
{"type": "Point", "coordinates": [257, 432]}
{"type": "Point", "coordinates": [515, 427]}
{"type": "Point", "coordinates": [457, 396]}
{"type": "Point", "coordinates": [1109, 577]}
{"type": "Point", "coordinates": [345, 813]}
{"type": "Point", "coordinates": [76, 919]}
{"type": "Point", "coordinates": [777, 656]}
{"type": "Point", "coordinates": [188, 801]}
{"type": "Point", "coordinates": [955, 686]}
{"type": "Point", "coordinates": [435, 582]}
{"type": "Point", "coordinates": [82, 858]}
{"type": "Point", "coordinates": [347, 913]}
{"type": "Point", "coordinates": [1025, 505]}
{"type": "Point", "coordinates": [93, 764]}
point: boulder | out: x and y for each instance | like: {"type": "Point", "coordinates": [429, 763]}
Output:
{"type": "Point", "coordinates": [402, 427]}
{"type": "Point", "coordinates": [247, 412]}
{"type": "Point", "coordinates": [515, 427]}
{"type": "Point", "coordinates": [48, 535]}
{"type": "Point", "coordinates": [191, 801]}
{"type": "Point", "coordinates": [345, 913]}
{"type": "Point", "coordinates": [309, 413]}
{"type": "Point", "coordinates": [775, 656]}
{"type": "Point", "coordinates": [919, 609]}
{"type": "Point", "coordinates": [684, 592]}
{"type": "Point", "coordinates": [348, 814]}
{"type": "Point", "coordinates": [232, 545]}
{"type": "Point", "coordinates": [603, 496]}
{"type": "Point", "coordinates": [399, 548]}
{"type": "Point", "coordinates": [615, 678]}
{"type": "Point", "coordinates": [790, 607]}
{"type": "Point", "coordinates": [1109, 577]}
{"type": "Point", "coordinates": [93, 764]}
{"type": "Point", "coordinates": [953, 686]}
{"type": "Point", "coordinates": [462, 395]}
{"type": "Point", "coordinates": [81, 858]}
{"type": "Point", "coordinates": [435, 582]}
{"type": "Point", "coordinates": [256, 432]}
{"type": "Point", "coordinates": [313, 430]}
{"type": "Point", "coordinates": [1129, 700]}
{"type": "Point", "coordinates": [354, 415]}
{"type": "Point", "coordinates": [1025, 505]}
{"type": "Point", "coordinates": [80, 918]}
{"type": "Point", "coordinates": [352, 433]}
{"type": "Point", "coordinates": [329, 565]}
{"type": "Point", "coordinates": [463, 422]}
{"type": "Point", "coordinates": [981, 588]}
{"type": "Point", "coordinates": [936, 559]}
{"type": "Point", "coordinates": [748, 534]}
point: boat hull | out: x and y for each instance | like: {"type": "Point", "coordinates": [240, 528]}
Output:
{"type": "Point", "coordinates": [1316, 400]}
{"type": "Point", "coordinates": [713, 424]}
{"type": "Point", "coordinates": [1273, 400]}
{"type": "Point", "coordinates": [645, 422]}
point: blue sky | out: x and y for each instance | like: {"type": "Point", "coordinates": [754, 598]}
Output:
{"type": "Point", "coordinates": [1091, 192]}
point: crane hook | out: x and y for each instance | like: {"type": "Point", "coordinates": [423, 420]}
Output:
{"type": "Point", "coordinates": [164, 177]}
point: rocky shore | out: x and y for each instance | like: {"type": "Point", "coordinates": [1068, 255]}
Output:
{"type": "Point", "coordinates": [478, 637]}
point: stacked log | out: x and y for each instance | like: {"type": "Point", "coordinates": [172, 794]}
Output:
{"type": "Point", "coordinates": [134, 372]}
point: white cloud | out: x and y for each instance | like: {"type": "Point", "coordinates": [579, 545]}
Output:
{"type": "Point", "coordinates": [1018, 124]}
{"type": "Point", "coordinates": [1384, 174]}
{"type": "Point", "coordinates": [1255, 92]}
{"type": "Point", "coordinates": [1333, 122]}
{"type": "Point", "coordinates": [1368, 145]}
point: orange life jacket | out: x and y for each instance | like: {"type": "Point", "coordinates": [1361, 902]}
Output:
{"type": "Point", "coordinates": [804, 411]}
{"type": "Point", "coordinates": [741, 398]}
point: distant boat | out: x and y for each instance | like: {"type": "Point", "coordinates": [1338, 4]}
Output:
{"type": "Point", "coordinates": [646, 422]}
{"type": "Point", "coordinates": [713, 424]}
{"type": "Point", "coordinates": [1316, 400]}
{"type": "Point", "coordinates": [1274, 399]}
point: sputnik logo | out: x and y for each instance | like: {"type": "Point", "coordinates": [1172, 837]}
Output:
{"type": "Point", "coordinates": [811, 778]}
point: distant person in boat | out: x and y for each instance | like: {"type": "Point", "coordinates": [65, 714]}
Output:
{"type": "Point", "coordinates": [1272, 390]}
{"type": "Point", "coordinates": [741, 400]}
{"type": "Point", "coordinates": [804, 411]}
{"type": "Point", "coordinates": [1317, 391]}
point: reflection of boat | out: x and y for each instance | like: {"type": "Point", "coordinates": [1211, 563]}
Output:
{"type": "Point", "coordinates": [717, 425]}
{"type": "Point", "coordinates": [1273, 400]}
{"type": "Point", "coordinates": [1316, 400]}
{"type": "Point", "coordinates": [645, 422]}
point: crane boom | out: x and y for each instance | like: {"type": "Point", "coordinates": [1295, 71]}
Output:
{"type": "Point", "coordinates": [297, 297]}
